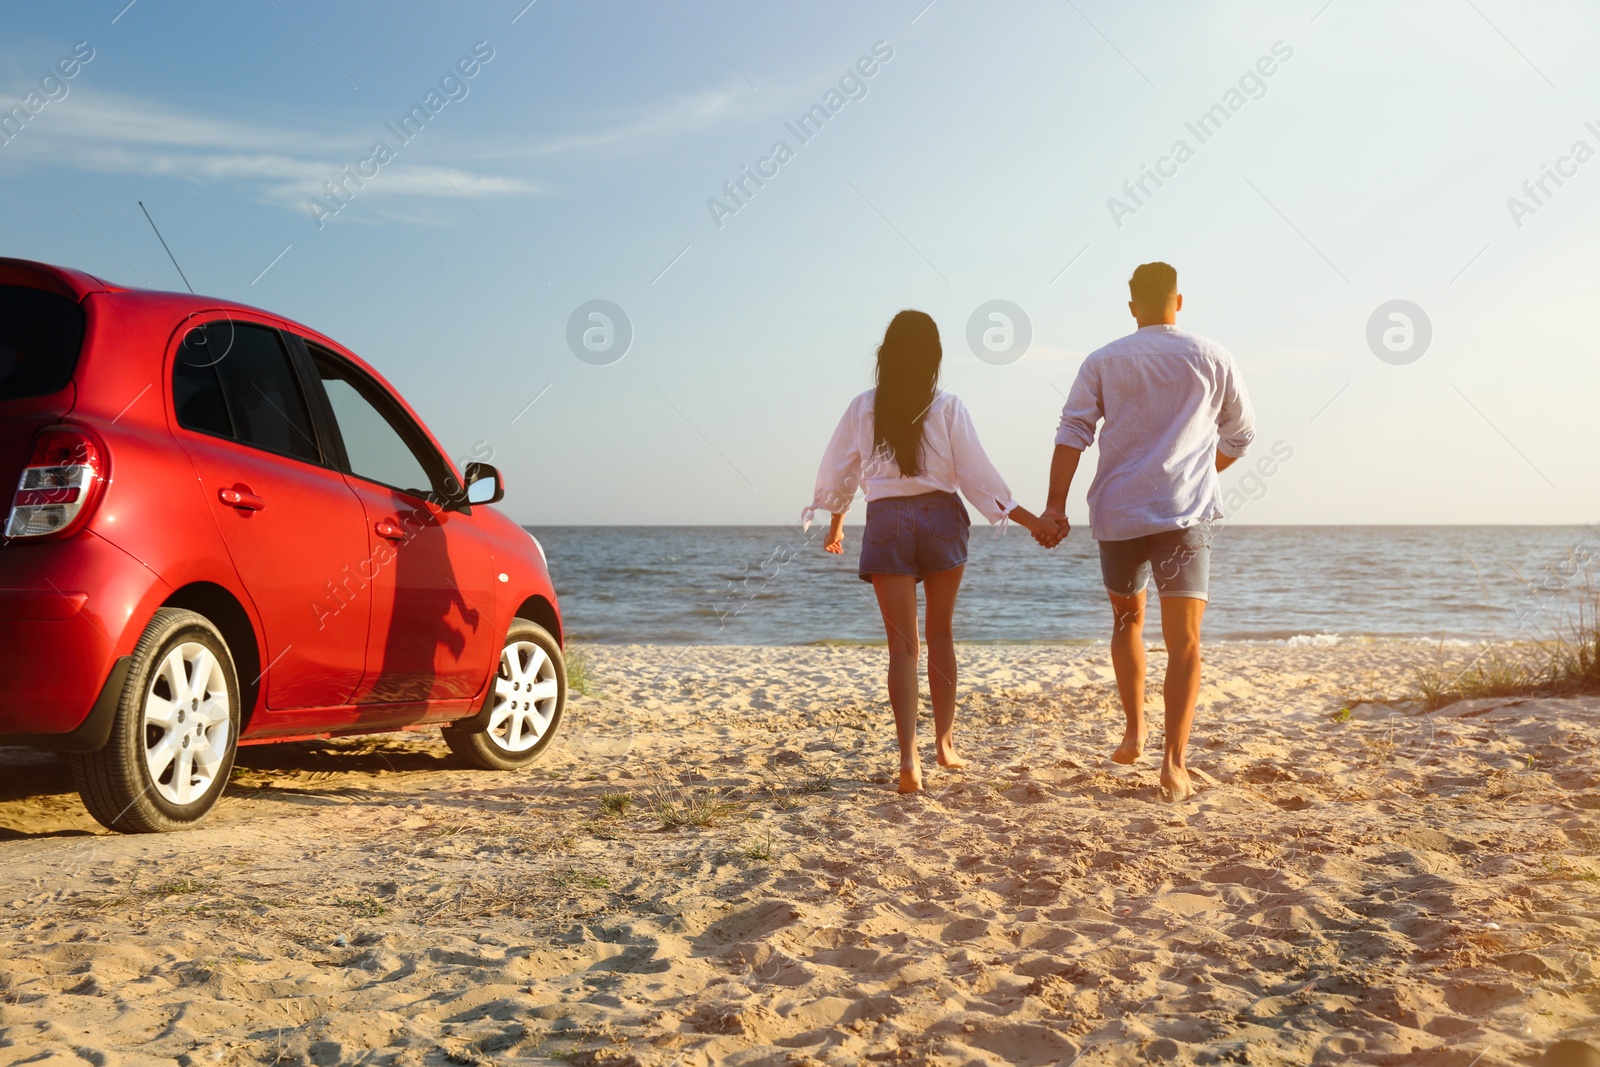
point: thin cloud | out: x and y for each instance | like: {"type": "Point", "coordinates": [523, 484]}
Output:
{"type": "Point", "coordinates": [639, 129]}
{"type": "Point", "coordinates": [636, 130]}
{"type": "Point", "coordinates": [110, 133]}
{"type": "Point", "coordinates": [113, 133]}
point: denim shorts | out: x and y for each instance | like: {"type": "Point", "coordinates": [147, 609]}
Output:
{"type": "Point", "coordinates": [1179, 559]}
{"type": "Point", "coordinates": [914, 535]}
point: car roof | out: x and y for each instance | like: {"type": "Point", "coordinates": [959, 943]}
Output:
{"type": "Point", "coordinates": [69, 283]}
{"type": "Point", "coordinates": [78, 285]}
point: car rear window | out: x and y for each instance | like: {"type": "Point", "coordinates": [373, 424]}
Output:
{"type": "Point", "coordinates": [40, 335]}
{"type": "Point", "coordinates": [235, 380]}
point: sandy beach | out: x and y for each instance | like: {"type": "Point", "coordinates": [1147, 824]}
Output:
{"type": "Point", "coordinates": [1367, 886]}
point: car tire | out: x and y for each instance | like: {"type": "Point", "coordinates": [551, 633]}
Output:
{"type": "Point", "coordinates": [175, 733]}
{"type": "Point", "coordinates": [526, 697]}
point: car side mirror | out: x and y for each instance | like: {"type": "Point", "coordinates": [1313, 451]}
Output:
{"type": "Point", "coordinates": [484, 485]}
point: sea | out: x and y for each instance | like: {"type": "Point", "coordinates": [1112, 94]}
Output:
{"type": "Point", "coordinates": [1318, 585]}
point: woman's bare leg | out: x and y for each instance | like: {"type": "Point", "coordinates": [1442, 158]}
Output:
{"type": "Point", "coordinates": [897, 600]}
{"type": "Point", "coordinates": [941, 589]}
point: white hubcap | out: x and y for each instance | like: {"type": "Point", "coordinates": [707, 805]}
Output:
{"type": "Point", "coordinates": [525, 694]}
{"type": "Point", "coordinates": [186, 723]}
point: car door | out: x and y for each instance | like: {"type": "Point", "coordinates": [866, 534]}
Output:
{"type": "Point", "coordinates": [432, 588]}
{"type": "Point", "coordinates": [293, 527]}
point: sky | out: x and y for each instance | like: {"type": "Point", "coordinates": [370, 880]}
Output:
{"type": "Point", "coordinates": [1359, 153]}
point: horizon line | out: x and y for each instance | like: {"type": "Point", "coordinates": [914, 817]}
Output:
{"type": "Point", "coordinates": [1229, 525]}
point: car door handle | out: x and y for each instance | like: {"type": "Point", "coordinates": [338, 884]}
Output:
{"type": "Point", "coordinates": [390, 529]}
{"type": "Point", "coordinates": [240, 496]}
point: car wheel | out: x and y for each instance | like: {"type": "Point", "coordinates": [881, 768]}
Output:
{"type": "Point", "coordinates": [524, 705]}
{"type": "Point", "coordinates": [175, 733]}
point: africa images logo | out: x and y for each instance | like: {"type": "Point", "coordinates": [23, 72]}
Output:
{"type": "Point", "coordinates": [52, 87]}
{"type": "Point", "coordinates": [1252, 85]}
{"type": "Point", "coordinates": [352, 178]}
{"type": "Point", "coordinates": [852, 85]}
{"type": "Point", "coordinates": [1537, 192]}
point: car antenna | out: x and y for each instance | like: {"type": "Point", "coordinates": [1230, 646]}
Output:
{"type": "Point", "coordinates": [163, 241]}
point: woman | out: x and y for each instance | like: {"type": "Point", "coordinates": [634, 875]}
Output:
{"type": "Point", "coordinates": [910, 446]}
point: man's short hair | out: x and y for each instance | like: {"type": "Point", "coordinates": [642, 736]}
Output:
{"type": "Point", "coordinates": [1153, 283]}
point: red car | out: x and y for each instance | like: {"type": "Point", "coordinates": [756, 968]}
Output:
{"type": "Point", "coordinates": [229, 530]}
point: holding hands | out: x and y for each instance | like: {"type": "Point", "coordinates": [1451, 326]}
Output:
{"type": "Point", "coordinates": [1049, 529]}
{"type": "Point", "coordinates": [1058, 520]}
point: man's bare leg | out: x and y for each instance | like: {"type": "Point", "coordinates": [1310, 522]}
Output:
{"type": "Point", "coordinates": [897, 600]}
{"type": "Point", "coordinates": [940, 589]}
{"type": "Point", "coordinates": [1127, 659]}
{"type": "Point", "coordinates": [1180, 628]}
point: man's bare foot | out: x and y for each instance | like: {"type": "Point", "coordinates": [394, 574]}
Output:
{"type": "Point", "coordinates": [1175, 785]}
{"type": "Point", "coordinates": [910, 779]}
{"type": "Point", "coordinates": [1130, 750]}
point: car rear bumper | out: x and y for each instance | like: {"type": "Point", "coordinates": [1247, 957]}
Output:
{"type": "Point", "coordinates": [70, 612]}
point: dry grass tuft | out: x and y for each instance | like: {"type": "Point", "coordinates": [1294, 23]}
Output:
{"type": "Point", "coordinates": [180, 886]}
{"type": "Point", "coordinates": [760, 851]}
{"type": "Point", "coordinates": [1498, 671]}
{"type": "Point", "coordinates": [1567, 662]}
{"type": "Point", "coordinates": [363, 907]}
{"type": "Point", "coordinates": [817, 783]}
{"type": "Point", "coordinates": [1575, 660]}
{"type": "Point", "coordinates": [534, 830]}
{"type": "Point", "coordinates": [677, 806]}
{"type": "Point", "coordinates": [579, 677]}
{"type": "Point", "coordinates": [1562, 666]}
{"type": "Point", "coordinates": [550, 895]}
{"type": "Point", "coordinates": [616, 803]}
{"type": "Point", "coordinates": [1560, 869]}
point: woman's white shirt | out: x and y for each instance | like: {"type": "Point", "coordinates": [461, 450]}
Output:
{"type": "Point", "coordinates": [952, 458]}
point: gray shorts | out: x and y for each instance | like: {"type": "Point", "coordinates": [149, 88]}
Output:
{"type": "Point", "coordinates": [1179, 559]}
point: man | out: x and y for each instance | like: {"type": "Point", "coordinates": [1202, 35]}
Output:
{"type": "Point", "coordinates": [1175, 415]}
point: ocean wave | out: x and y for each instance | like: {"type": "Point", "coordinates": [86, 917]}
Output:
{"type": "Point", "coordinates": [1332, 640]}
{"type": "Point", "coordinates": [1314, 640]}
{"type": "Point", "coordinates": [1000, 642]}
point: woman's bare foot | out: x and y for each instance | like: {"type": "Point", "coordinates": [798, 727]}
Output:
{"type": "Point", "coordinates": [948, 758]}
{"type": "Point", "coordinates": [1175, 785]}
{"type": "Point", "coordinates": [910, 778]}
{"type": "Point", "coordinates": [1131, 749]}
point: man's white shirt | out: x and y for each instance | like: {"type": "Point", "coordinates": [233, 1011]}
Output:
{"type": "Point", "coordinates": [1170, 400]}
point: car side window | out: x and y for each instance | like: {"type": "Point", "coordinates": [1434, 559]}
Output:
{"type": "Point", "coordinates": [196, 392]}
{"type": "Point", "coordinates": [234, 379]}
{"type": "Point", "coordinates": [379, 440]}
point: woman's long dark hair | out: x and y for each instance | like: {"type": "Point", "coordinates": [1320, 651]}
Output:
{"type": "Point", "coordinates": [908, 378]}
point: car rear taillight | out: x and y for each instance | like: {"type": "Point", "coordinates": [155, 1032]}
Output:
{"type": "Point", "coordinates": [60, 486]}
